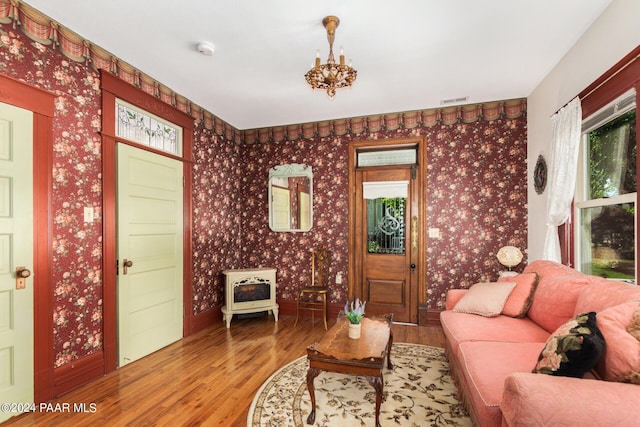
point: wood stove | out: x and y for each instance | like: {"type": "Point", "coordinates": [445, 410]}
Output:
{"type": "Point", "coordinates": [249, 290]}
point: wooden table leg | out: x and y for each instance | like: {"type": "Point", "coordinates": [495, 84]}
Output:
{"type": "Point", "coordinates": [378, 384]}
{"type": "Point", "coordinates": [311, 374]}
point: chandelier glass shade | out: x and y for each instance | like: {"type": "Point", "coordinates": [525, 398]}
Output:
{"type": "Point", "coordinates": [331, 75]}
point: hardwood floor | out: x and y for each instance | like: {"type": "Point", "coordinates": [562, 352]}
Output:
{"type": "Point", "coordinates": [209, 378]}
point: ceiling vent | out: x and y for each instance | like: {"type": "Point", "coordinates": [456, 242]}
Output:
{"type": "Point", "coordinates": [454, 100]}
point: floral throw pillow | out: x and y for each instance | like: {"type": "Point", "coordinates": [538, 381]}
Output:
{"type": "Point", "coordinates": [573, 349]}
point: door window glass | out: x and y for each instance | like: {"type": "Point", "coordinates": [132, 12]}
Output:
{"type": "Point", "coordinates": [386, 225]}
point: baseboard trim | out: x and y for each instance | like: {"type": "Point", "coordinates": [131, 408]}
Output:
{"type": "Point", "coordinates": [204, 320]}
{"type": "Point", "coordinates": [427, 317]}
{"type": "Point", "coordinates": [78, 373]}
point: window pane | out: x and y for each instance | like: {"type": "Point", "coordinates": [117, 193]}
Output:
{"type": "Point", "coordinates": [385, 225]}
{"type": "Point", "coordinates": [145, 128]}
{"type": "Point", "coordinates": [387, 157]}
{"type": "Point", "coordinates": [608, 241]}
{"type": "Point", "coordinates": [612, 158]}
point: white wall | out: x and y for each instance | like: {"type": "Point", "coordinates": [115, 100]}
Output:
{"type": "Point", "coordinates": [612, 36]}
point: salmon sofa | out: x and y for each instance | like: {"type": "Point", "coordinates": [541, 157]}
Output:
{"type": "Point", "coordinates": [492, 358]}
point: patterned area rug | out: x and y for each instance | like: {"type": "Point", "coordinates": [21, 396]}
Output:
{"type": "Point", "coordinates": [418, 391]}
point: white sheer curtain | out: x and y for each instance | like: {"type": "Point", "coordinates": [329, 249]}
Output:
{"type": "Point", "coordinates": [565, 143]}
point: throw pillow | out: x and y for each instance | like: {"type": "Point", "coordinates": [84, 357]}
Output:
{"type": "Point", "coordinates": [485, 299]}
{"type": "Point", "coordinates": [621, 361]}
{"type": "Point", "coordinates": [520, 299]}
{"type": "Point", "coordinates": [573, 349]}
{"type": "Point", "coordinates": [634, 327]}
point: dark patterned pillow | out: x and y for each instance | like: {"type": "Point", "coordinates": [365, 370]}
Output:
{"type": "Point", "coordinates": [573, 349]}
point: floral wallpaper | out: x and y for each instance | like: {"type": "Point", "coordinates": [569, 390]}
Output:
{"type": "Point", "coordinates": [217, 226]}
{"type": "Point", "coordinates": [77, 246]}
{"type": "Point", "coordinates": [476, 195]}
{"type": "Point", "coordinates": [290, 252]}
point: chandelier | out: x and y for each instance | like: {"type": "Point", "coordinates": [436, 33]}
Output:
{"type": "Point", "coordinates": [332, 75]}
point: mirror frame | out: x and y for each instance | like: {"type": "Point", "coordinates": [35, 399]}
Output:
{"type": "Point", "coordinates": [288, 171]}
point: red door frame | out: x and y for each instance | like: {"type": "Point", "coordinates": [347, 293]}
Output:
{"type": "Point", "coordinates": [41, 103]}
{"type": "Point", "coordinates": [112, 88]}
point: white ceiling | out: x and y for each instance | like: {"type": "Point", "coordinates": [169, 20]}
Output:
{"type": "Point", "coordinates": [410, 54]}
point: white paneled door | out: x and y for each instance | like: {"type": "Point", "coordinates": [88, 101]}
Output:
{"type": "Point", "coordinates": [150, 252]}
{"type": "Point", "coordinates": [16, 259]}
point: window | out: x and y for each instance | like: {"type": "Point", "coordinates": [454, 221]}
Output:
{"type": "Point", "coordinates": [387, 157]}
{"type": "Point", "coordinates": [605, 203]}
{"type": "Point", "coordinates": [148, 129]}
{"type": "Point", "coordinates": [386, 208]}
{"type": "Point", "coordinates": [385, 228]}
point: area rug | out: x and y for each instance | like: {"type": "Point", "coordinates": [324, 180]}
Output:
{"type": "Point", "coordinates": [418, 391]}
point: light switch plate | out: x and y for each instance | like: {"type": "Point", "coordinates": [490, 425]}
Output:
{"type": "Point", "coordinates": [88, 214]}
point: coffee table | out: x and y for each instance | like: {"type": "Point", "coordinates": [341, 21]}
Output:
{"type": "Point", "coordinates": [336, 352]}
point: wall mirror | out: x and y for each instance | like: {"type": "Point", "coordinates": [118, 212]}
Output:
{"type": "Point", "coordinates": [291, 197]}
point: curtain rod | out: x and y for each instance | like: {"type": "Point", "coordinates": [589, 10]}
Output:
{"type": "Point", "coordinates": [618, 71]}
{"type": "Point", "coordinates": [620, 66]}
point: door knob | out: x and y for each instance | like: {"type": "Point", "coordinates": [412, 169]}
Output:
{"type": "Point", "coordinates": [21, 274]}
{"type": "Point", "coordinates": [413, 266]}
{"type": "Point", "coordinates": [126, 263]}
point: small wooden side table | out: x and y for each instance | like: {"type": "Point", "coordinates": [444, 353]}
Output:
{"type": "Point", "coordinates": [336, 352]}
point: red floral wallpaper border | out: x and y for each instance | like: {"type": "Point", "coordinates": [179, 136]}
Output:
{"type": "Point", "coordinates": [476, 176]}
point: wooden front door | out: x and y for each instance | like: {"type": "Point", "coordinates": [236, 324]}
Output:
{"type": "Point", "coordinates": [385, 211]}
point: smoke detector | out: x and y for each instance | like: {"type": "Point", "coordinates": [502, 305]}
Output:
{"type": "Point", "coordinates": [206, 48]}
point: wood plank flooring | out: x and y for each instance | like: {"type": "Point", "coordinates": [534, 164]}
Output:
{"type": "Point", "coordinates": [208, 379]}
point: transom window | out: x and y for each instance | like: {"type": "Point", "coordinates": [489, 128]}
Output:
{"type": "Point", "coordinates": [605, 203]}
{"type": "Point", "coordinates": [147, 129]}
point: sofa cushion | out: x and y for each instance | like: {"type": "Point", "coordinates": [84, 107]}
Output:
{"type": "Point", "coordinates": [602, 293]}
{"type": "Point", "coordinates": [548, 268]}
{"type": "Point", "coordinates": [484, 366]}
{"type": "Point", "coordinates": [555, 299]}
{"type": "Point", "coordinates": [573, 349]}
{"type": "Point", "coordinates": [621, 361]}
{"type": "Point", "coordinates": [521, 297]}
{"type": "Point", "coordinates": [532, 400]}
{"type": "Point", "coordinates": [462, 327]}
{"type": "Point", "coordinates": [485, 299]}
